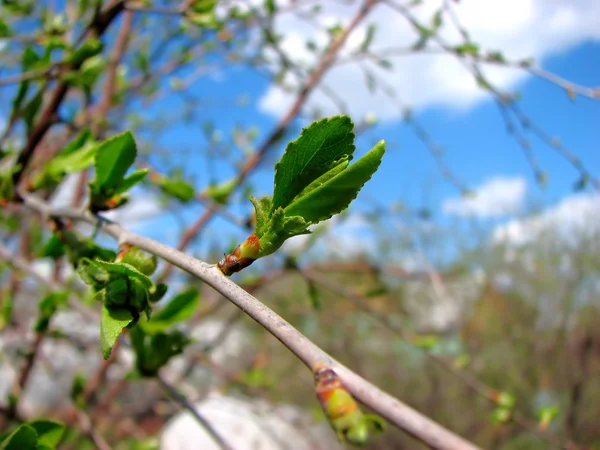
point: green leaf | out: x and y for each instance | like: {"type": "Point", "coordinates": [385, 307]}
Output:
{"type": "Point", "coordinates": [134, 256]}
{"type": "Point", "coordinates": [23, 438]}
{"type": "Point", "coordinates": [131, 180]}
{"type": "Point", "coordinates": [157, 292]}
{"type": "Point", "coordinates": [112, 323]}
{"type": "Point", "coordinates": [368, 38]}
{"type": "Point", "coordinates": [113, 159]}
{"type": "Point", "coordinates": [262, 210]}
{"type": "Point", "coordinates": [179, 189]}
{"type": "Point", "coordinates": [153, 351]}
{"type": "Point", "coordinates": [125, 269]}
{"type": "Point", "coordinates": [53, 248]}
{"type": "Point", "coordinates": [321, 146]}
{"type": "Point", "coordinates": [436, 21]}
{"type": "Point", "coordinates": [468, 48]}
{"type": "Point", "coordinates": [91, 273]}
{"type": "Point", "coordinates": [335, 194]}
{"type": "Point", "coordinates": [271, 7]}
{"type": "Point", "coordinates": [47, 307]}
{"type": "Point", "coordinates": [4, 30]}
{"type": "Point", "coordinates": [76, 143]}
{"type": "Point", "coordinates": [180, 308]}
{"type": "Point", "coordinates": [49, 432]}
{"type": "Point", "coordinates": [91, 47]}
{"type": "Point", "coordinates": [220, 192]}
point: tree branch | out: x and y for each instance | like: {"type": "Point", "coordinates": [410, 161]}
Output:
{"type": "Point", "coordinates": [396, 412]}
{"type": "Point", "coordinates": [48, 115]}
{"type": "Point", "coordinates": [253, 161]}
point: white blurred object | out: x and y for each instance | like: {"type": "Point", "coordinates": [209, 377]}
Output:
{"type": "Point", "coordinates": [247, 425]}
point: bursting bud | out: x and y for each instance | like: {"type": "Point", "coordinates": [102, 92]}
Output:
{"type": "Point", "coordinates": [244, 255]}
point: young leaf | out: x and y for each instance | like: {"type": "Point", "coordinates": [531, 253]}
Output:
{"type": "Point", "coordinates": [131, 180]}
{"type": "Point", "coordinates": [49, 432]}
{"type": "Point", "coordinates": [220, 192]}
{"type": "Point", "coordinates": [320, 147]}
{"type": "Point", "coordinates": [181, 307]}
{"type": "Point", "coordinates": [113, 159]}
{"type": "Point", "coordinates": [135, 257]}
{"type": "Point", "coordinates": [334, 195]}
{"type": "Point", "coordinates": [125, 269]}
{"type": "Point", "coordinates": [112, 323]}
{"type": "Point", "coordinates": [312, 183]}
{"type": "Point", "coordinates": [179, 189]}
{"type": "Point", "coordinates": [23, 438]}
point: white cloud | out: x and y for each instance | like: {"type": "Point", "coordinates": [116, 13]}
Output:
{"type": "Point", "coordinates": [572, 219]}
{"type": "Point", "coordinates": [517, 28]}
{"type": "Point", "coordinates": [497, 197]}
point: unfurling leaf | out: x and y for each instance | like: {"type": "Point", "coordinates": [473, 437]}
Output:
{"type": "Point", "coordinates": [111, 325]}
{"type": "Point", "coordinates": [180, 308]}
{"type": "Point", "coordinates": [313, 182]}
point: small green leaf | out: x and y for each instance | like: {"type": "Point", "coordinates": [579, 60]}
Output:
{"type": "Point", "coordinates": [157, 292]}
{"type": "Point", "coordinates": [23, 438]}
{"type": "Point", "coordinates": [91, 273]}
{"type": "Point", "coordinates": [125, 269]}
{"type": "Point", "coordinates": [270, 6]}
{"type": "Point", "coordinates": [137, 258]}
{"type": "Point", "coordinates": [49, 432]}
{"type": "Point", "coordinates": [468, 48]}
{"type": "Point", "coordinates": [335, 194]}
{"type": "Point", "coordinates": [91, 47]}
{"type": "Point", "coordinates": [220, 193]}
{"type": "Point", "coordinates": [83, 137]}
{"type": "Point", "coordinates": [262, 210]}
{"type": "Point", "coordinates": [112, 323]}
{"type": "Point", "coordinates": [53, 248]}
{"type": "Point", "coordinates": [113, 159]}
{"type": "Point", "coordinates": [4, 30]}
{"type": "Point", "coordinates": [131, 180]}
{"type": "Point", "coordinates": [320, 147]}
{"type": "Point", "coordinates": [368, 38]}
{"type": "Point", "coordinates": [179, 189]}
{"type": "Point", "coordinates": [47, 307]}
{"type": "Point", "coordinates": [180, 308]}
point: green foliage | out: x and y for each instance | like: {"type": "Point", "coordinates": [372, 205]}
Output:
{"type": "Point", "coordinates": [35, 435]}
{"type": "Point", "coordinates": [221, 192]}
{"type": "Point", "coordinates": [52, 248]}
{"type": "Point", "coordinates": [112, 323]}
{"type": "Point", "coordinates": [23, 438]}
{"type": "Point", "coordinates": [112, 161]}
{"type": "Point", "coordinates": [179, 308]}
{"type": "Point", "coordinates": [313, 181]}
{"type": "Point", "coordinates": [125, 290]}
{"type": "Point", "coordinates": [176, 188]}
{"type": "Point", "coordinates": [154, 350]}
{"type": "Point", "coordinates": [47, 307]}
{"type": "Point", "coordinates": [75, 157]}
{"type": "Point", "coordinates": [135, 257]}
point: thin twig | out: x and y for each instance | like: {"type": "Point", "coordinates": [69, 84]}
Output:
{"type": "Point", "coordinates": [183, 402]}
{"type": "Point", "coordinates": [396, 412]}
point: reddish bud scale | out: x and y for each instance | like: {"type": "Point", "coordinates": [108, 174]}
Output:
{"type": "Point", "coordinates": [244, 255]}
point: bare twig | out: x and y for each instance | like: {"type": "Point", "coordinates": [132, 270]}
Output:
{"type": "Point", "coordinates": [396, 412]}
{"type": "Point", "coordinates": [182, 401]}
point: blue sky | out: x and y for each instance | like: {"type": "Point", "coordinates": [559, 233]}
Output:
{"type": "Point", "coordinates": [564, 39]}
